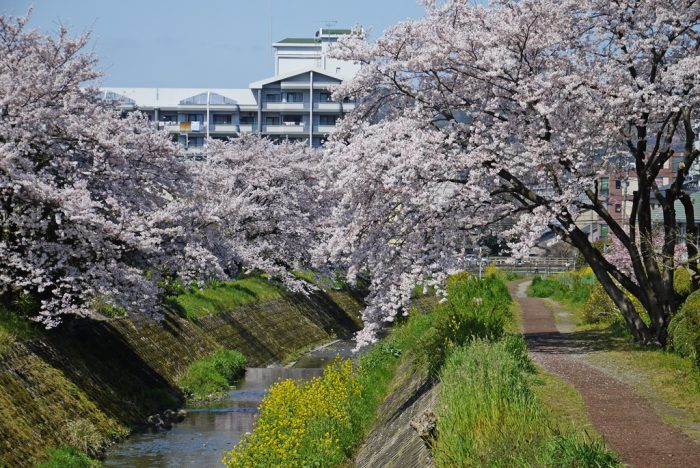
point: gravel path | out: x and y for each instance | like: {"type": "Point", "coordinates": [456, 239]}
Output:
{"type": "Point", "coordinates": [627, 421]}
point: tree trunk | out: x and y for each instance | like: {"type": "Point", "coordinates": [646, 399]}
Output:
{"type": "Point", "coordinates": [635, 324]}
{"type": "Point", "coordinates": [640, 331]}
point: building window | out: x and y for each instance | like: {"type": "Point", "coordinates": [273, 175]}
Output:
{"type": "Point", "coordinates": [195, 118]}
{"type": "Point", "coordinates": [292, 119]}
{"type": "Point", "coordinates": [247, 120]}
{"type": "Point", "coordinates": [325, 97]}
{"type": "Point", "coordinates": [618, 184]}
{"type": "Point", "coordinates": [295, 97]}
{"type": "Point", "coordinates": [604, 186]}
{"type": "Point", "coordinates": [273, 97]}
{"type": "Point", "coordinates": [618, 208]}
{"type": "Point", "coordinates": [328, 119]}
{"type": "Point", "coordinates": [168, 117]}
{"type": "Point", "coordinates": [272, 120]}
{"type": "Point", "coordinates": [224, 119]}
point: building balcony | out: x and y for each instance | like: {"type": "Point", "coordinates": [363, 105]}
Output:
{"type": "Point", "coordinates": [285, 106]}
{"type": "Point", "coordinates": [224, 128]}
{"type": "Point", "coordinates": [247, 128]}
{"type": "Point", "coordinates": [328, 106]}
{"type": "Point", "coordinates": [194, 152]}
{"type": "Point", "coordinates": [284, 129]}
{"type": "Point", "coordinates": [324, 128]}
{"type": "Point", "coordinates": [181, 127]}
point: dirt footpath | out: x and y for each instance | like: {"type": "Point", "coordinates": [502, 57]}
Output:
{"type": "Point", "coordinates": [627, 421]}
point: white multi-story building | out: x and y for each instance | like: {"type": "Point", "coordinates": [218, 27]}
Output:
{"type": "Point", "coordinates": [295, 103]}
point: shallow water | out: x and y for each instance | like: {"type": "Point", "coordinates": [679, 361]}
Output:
{"type": "Point", "coordinates": [201, 439]}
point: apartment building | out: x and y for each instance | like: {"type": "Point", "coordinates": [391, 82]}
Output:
{"type": "Point", "coordinates": [294, 104]}
{"type": "Point", "coordinates": [617, 190]}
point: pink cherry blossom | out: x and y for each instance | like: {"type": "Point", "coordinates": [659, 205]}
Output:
{"type": "Point", "coordinates": [500, 119]}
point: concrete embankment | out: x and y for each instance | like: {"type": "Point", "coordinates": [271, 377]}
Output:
{"type": "Point", "coordinates": [393, 442]}
{"type": "Point", "coordinates": [88, 384]}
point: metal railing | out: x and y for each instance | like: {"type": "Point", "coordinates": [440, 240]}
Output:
{"type": "Point", "coordinates": [542, 266]}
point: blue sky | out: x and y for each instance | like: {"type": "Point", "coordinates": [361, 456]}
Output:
{"type": "Point", "coordinates": [206, 43]}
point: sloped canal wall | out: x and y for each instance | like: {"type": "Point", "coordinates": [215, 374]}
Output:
{"type": "Point", "coordinates": [86, 385]}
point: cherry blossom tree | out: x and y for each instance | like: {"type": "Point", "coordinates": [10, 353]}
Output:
{"type": "Point", "coordinates": [79, 184]}
{"type": "Point", "coordinates": [500, 119]}
{"type": "Point", "coordinates": [256, 205]}
{"type": "Point", "coordinates": [98, 208]}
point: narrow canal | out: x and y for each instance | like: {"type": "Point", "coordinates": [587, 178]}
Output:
{"type": "Point", "coordinates": [201, 439]}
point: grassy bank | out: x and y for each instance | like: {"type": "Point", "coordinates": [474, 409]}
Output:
{"type": "Point", "coordinates": [319, 423]}
{"type": "Point", "coordinates": [223, 296]}
{"type": "Point", "coordinates": [490, 414]}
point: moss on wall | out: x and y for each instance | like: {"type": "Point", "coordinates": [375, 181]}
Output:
{"type": "Point", "coordinates": [87, 384]}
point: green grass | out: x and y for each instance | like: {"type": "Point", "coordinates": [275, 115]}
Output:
{"type": "Point", "coordinates": [69, 457]}
{"type": "Point", "coordinates": [474, 309]}
{"type": "Point", "coordinates": [225, 296]}
{"type": "Point", "coordinates": [211, 376]}
{"type": "Point", "coordinates": [489, 414]}
{"type": "Point", "coordinates": [16, 327]}
{"type": "Point", "coordinates": [573, 287]}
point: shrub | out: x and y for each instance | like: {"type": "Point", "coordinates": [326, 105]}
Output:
{"type": "Point", "coordinates": [202, 380]}
{"type": "Point", "coordinates": [684, 329]}
{"type": "Point", "coordinates": [68, 457]}
{"type": "Point", "coordinates": [303, 423]}
{"type": "Point", "coordinates": [599, 306]}
{"type": "Point", "coordinates": [460, 277]}
{"type": "Point", "coordinates": [682, 282]}
{"type": "Point", "coordinates": [213, 375]}
{"type": "Point", "coordinates": [229, 363]}
{"type": "Point", "coordinates": [541, 287]}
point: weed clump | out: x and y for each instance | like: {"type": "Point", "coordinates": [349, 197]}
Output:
{"type": "Point", "coordinates": [69, 457]}
{"type": "Point", "coordinates": [211, 376]}
{"type": "Point", "coordinates": [684, 329]}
